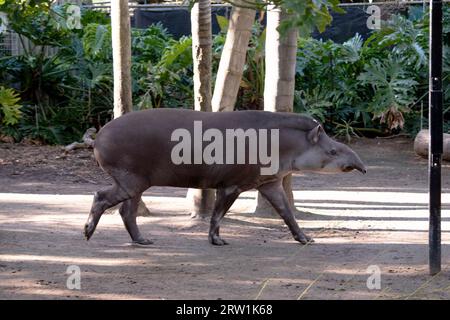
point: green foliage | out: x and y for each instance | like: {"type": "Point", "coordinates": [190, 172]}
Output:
{"type": "Point", "coordinates": [64, 85]}
{"type": "Point", "coordinates": [326, 80]}
{"type": "Point", "coordinates": [9, 107]}
{"type": "Point", "coordinates": [358, 87]}
{"type": "Point", "coordinates": [67, 92]}
{"type": "Point", "coordinates": [314, 102]}
{"type": "Point", "coordinates": [252, 84]}
{"type": "Point", "coordinates": [38, 21]}
{"type": "Point", "coordinates": [94, 16]}
{"type": "Point", "coordinates": [148, 44]}
{"type": "Point", "coordinates": [223, 23]}
{"type": "Point", "coordinates": [393, 89]}
{"type": "Point", "coordinates": [71, 89]}
{"type": "Point", "coordinates": [308, 15]}
{"type": "Point", "coordinates": [405, 38]}
{"type": "Point", "coordinates": [169, 79]}
{"type": "Point", "coordinates": [376, 86]}
{"type": "Point", "coordinates": [346, 130]}
{"type": "Point", "coordinates": [97, 41]}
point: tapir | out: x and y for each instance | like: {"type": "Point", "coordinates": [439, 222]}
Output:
{"type": "Point", "coordinates": [140, 150]}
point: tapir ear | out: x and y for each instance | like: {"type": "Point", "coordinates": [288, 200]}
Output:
{"type": "Point", "coordinates": [314, 134]}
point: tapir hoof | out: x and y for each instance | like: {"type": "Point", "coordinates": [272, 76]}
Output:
{"type": "Point", "coordinates": [304, 239]}
{"type": "Point", "coordinates": [217, 241]}
{"type": "Point", "coordinates": [142, 242]}
{"type": "Point", "coordinates": [89, 229]}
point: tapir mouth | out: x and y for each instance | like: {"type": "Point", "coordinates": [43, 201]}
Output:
{"type": "Point", "coordinates": [350, 168]}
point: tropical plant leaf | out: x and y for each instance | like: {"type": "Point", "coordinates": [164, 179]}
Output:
{"type": "Point", "coordinates": [393, 88]}
{"type": "Point", "coordinates": [10, 108]}
{"type": "Point", "coordinates": [222, 22]}
{"type": "Point", "coordinates": [176, 50]}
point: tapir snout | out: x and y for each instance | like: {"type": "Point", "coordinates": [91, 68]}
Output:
{"type": "Point", "coordinates": [354, 162]}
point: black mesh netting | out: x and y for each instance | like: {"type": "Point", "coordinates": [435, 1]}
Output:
{"type": "Point", "coordinates": [343, 27]}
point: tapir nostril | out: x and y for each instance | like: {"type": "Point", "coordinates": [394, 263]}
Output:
{"type": "Point", "coordinates": [362, 170]}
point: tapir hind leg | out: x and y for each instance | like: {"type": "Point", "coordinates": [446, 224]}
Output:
{"type": "Point", "coordinates": [128, 211]}
{"type": "Point", "coordinates": [274, 193]}
{"type": "Point", "coordinates": [224, 200]}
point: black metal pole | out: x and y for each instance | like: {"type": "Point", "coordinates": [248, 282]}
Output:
{"type": "Point", "coordinates": [436, 135]}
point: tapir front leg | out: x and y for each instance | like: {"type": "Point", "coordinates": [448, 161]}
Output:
{"type": "Point", "coordinates": [224, 200]}
{"type": "Point", "coordinates": [274, 193]}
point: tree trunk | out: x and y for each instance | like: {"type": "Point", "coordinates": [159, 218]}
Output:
{"type": "Point", "coordinates": [202, 53]}
{"type": "Point", "coordinates": [233, 57]}
{"type": "Point", "coordinates": [281, 57]}
{"type": "Point", "coordinates": [279, 85]}
{"type": "Point", "coordinates": [121, 45]}
{"type": "Point", "coordinates": [202, 201]}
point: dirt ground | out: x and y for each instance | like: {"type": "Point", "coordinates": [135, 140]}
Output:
{"type": "Point", "coordinates": [361, 224]}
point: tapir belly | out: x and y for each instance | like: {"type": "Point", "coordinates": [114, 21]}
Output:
{"type": "Point", "coordinates": [206, 176]}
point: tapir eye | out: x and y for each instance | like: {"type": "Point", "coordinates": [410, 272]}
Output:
{"type": "Point", "coordinates": [333, 152]}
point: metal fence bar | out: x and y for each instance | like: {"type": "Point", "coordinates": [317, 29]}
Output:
{"type": "Point", "coordinates": [436, 136]}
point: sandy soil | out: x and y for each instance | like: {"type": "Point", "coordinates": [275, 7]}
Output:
{"type": "Point", "coordinates": [378, 220]}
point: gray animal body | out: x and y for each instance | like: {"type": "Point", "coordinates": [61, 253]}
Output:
{"type": "Point", "coordinates": [137, 151]}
